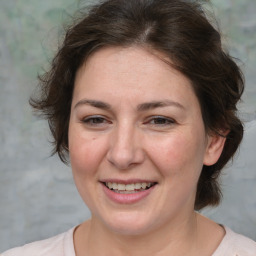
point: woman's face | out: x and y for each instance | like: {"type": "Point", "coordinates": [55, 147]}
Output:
{"type": "Point", "coordinates": [137, 141]}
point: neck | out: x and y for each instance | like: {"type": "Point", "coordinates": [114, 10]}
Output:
{"type": "Point", "coordinates": [172, 239]}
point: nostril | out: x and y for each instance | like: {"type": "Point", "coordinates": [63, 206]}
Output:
{"type": "Point", "coordinates": [124, 158]}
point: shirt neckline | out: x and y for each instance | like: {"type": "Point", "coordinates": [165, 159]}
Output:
{"type": "Point", "coordinates": [69, 247]}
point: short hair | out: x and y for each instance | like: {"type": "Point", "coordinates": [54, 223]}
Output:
{"type": "Point", "coordinates": [182, 32]}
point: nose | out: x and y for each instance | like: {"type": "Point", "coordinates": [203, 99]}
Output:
{"type": "Point", "coordinates": [125, 148]}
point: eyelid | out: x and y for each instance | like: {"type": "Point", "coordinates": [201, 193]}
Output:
{"type": "Point", "coordinates": [92, 116]}
{"type": "Point", "coordinates": [168, 119]}
{"type": "Point", "coordinates": [87, 119]}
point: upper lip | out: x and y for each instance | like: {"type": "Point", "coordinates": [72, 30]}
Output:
{"type": "Point", "coordinates": [128, 181]}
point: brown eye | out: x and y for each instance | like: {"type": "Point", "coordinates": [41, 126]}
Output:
{"type": "Point", "coordinates": [161, 121]}
{"type": "Point", "coordinates": [95, 121]}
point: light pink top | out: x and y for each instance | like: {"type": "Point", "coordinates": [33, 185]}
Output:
{"type": "Point", "coordinates": [232, 244]}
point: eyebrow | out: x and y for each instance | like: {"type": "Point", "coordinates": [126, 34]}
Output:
{"type": "Point", "coordinates": [141, 107]}
{"type": "Point", "coordinates": [159, 104]}
{"type": "Point", "coordinates": [93, 103]}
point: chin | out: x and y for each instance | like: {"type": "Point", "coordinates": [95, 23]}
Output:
{"type": "Point", "coordinates": [129, 224]}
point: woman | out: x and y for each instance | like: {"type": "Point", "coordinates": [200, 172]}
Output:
{"type": "Point", "coordinates": [141, 99]}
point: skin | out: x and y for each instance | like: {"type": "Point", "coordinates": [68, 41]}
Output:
{"type": "Point", "coordinates": [113, 134]}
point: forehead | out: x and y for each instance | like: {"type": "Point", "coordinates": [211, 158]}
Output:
{"type": "Point", "coordinates": [125, 60]}
{"type": "Point", "coordinates": [129, 72]}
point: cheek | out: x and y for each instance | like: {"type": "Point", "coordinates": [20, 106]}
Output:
{"type": "Point", "coordinates": [179, 155]}
{"type": "Point", "coordinates": [86, 153]}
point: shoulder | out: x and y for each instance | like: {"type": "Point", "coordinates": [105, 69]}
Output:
{"type": "Point", "coordinates": [60, 245]}
{"type": "Point", "coordinates": [234, 244]}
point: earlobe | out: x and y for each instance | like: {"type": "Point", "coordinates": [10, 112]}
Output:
{"type": "Point", "coordinates": [214, 148]}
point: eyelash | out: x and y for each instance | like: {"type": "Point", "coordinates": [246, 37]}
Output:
{"type": "Point", "coordinates": [157, 121]}
{"type": "Point", "coordinates": [100, 120]}
{"type": "Point", "coordinates": [164, 121]}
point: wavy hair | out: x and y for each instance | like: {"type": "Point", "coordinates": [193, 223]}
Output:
{"type": "Point", "coordinates": [180, 30]}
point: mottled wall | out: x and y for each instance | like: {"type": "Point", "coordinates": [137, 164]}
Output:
{"type": "Point", "coordinates": [37, 196]}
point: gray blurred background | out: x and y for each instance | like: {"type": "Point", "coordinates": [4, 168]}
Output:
{"type": "Point", "coordinates": [38, 198]}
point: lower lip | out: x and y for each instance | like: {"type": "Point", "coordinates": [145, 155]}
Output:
{"type": "Point", "coordinates": [127, 198]}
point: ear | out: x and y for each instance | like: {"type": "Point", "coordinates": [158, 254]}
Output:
{"type": "Point", "coordinates": [214, 148]}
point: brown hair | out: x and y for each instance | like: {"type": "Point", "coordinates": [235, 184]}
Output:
{"type": "Point", "coordinates": [181, 31]}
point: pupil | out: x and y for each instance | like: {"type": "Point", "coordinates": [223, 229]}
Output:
{"type": "Point", "coordinates": [160, 121]}
{"type": "Point", "coordinates": [97, 120]}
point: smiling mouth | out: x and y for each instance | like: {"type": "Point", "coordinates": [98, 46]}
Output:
{"type": "Point", "coordinates": [129, 188]}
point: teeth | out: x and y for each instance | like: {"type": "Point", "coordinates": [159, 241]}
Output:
{"type": "Point", "coordinates": [109, 185]}
{"type": "Point", "coordinates": [121, 187]}
{"type": "Point", "coordinates": [138, 186]}
{"type": "Point", "coordinates": [118, 187]}
{"type": "Point", "coordinates": [129, 187]}
{"type": "Point", "coordinates": [114, 186]}
{"type": "Point", "coordinates": [144, 185]}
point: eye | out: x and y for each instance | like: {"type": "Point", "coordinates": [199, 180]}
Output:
{"type": "Point", "coordinates": [95, 121]}
{"type": "Point", "coordinates": [160, 121]}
